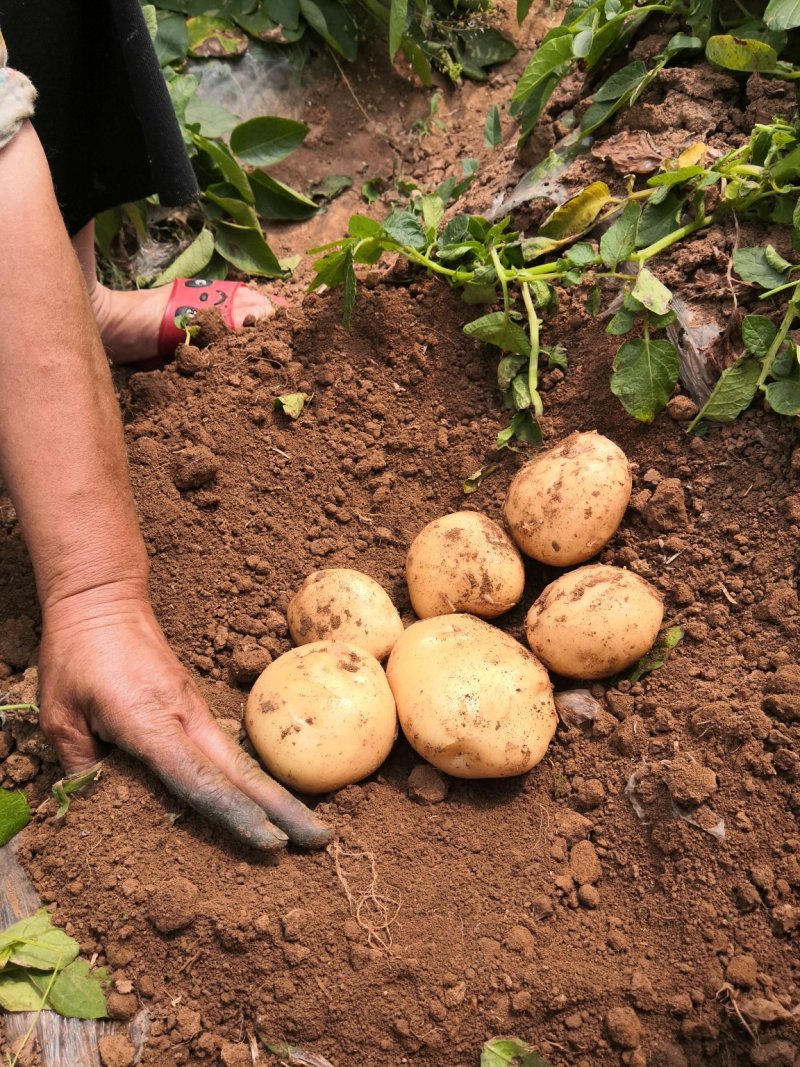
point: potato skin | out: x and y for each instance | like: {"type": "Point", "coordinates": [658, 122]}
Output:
{"type": "Point", "coordinates": [322, 716]}
{"type": "Point", "coordinates": [594, 621]}
{"type": "Point", "coordinates": [471, 700]}
{"type": "Point", "coordinates": [339, 604]}
{"type": "Point", "coordinates": [464, 562]}
{"type": "Point", "coordinates": [567, 503]}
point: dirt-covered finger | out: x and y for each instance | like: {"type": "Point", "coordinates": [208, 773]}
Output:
{"type": "Point", "coordinates": [285, 810]}
{"type": "Point", "coordinates": [194, 779]}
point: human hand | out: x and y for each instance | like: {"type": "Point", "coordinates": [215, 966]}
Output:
{"type": "Point", "coordinates": [107, 674]}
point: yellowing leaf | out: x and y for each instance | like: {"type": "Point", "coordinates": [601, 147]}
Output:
{"type": "Point", "coordinates": [577, 214]}
{"type": "Point", "coordinates": [692, 155]}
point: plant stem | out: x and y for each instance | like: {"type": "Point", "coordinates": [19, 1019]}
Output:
{"type": "Point", "coordinates": [533, 358]}
{"type": "Point", "coordinates": [19, 707]}
{"type": "Point", "coordinates": [780, 337]}
{"type": "Point", "coordinates": [502, 278]}
{"type": "Point", "coordinates": [672, 238]}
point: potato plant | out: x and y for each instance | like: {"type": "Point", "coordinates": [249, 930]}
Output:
{"type": "Point", "coordinates": [605, 244]}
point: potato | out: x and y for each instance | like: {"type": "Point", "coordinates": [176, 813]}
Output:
{"type": "Point", "coordinates": [463, 562]}
{"type": "Point", "coordinates": [471, 699]}
{"type": "Point", "coordinates": [566, 504]}
{"type": "Point", "coordinates": [322, 716]}
{"type": "Point", "coordinates": [594, 621]}
{"type": "Point", "coordinates": [344, 605]}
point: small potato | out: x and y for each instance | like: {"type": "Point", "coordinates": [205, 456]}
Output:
{"type": "Point", "coordinates": [463, 562]}
{"type": "Point", "coordinates": [566, 504]}
{"type": "Point", "coordinates": [322, 716]}
{"type": "Point", "coordinates": [594, 621]}
{"type": "Point", "coordinates": [344, 605]}
{"type": "Point", "coordinates": [471, 700]}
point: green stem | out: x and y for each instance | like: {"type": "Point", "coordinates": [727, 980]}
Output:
{"type": "Point", "coordinates": [780, 337]}
{"type": "Point", "coordinates": [672, 238]}
{"type": "Point", "coordinates": [19, 707]}
{"type": "Point", "coordinates": [533, 358]}
{"type": "Point", "coordinates": [502, 278]}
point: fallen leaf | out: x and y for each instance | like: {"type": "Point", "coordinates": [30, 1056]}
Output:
{"type": "Point", "coordinates": [629, 152]}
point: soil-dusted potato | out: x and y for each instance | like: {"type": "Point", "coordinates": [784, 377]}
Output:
{"type": "Point", "coordinates": [471, 699]}
{"type": "Point", "coordinates": [464, 562]}
{"type": "Point", "coordinates": [322, 716]}
{"type": "Point", "coordinates": [594, 621]}
{"type": "Point", "coordinates": [567, 503]}
{"type": "Point", "coordinates": [344, 605]}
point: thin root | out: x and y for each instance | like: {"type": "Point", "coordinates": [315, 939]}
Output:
{"type": "Point", "coordinates": [374, 907]}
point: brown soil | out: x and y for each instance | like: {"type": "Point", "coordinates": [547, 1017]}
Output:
{"type": "Point", "coordinates": [632, 900]}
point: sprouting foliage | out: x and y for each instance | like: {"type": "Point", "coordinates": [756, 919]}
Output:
{"type": "Point", "coordinates": [592, 33]}
{"type": "Point", "coordinates": [520, 277]}
{"type": "Point", "coordinates": [444, 35]}
{"type": "Point", "coordinates": [40, 969]}
{"type": "Point", "coordinates": [510, 1052]}
{"type": "Point", "coordinates": [658, 655]}
{"type": "Point", "coordinates": [291, 404]}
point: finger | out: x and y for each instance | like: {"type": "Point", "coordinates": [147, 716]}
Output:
{"type": "Point", "coordinates": [285, 810]}
{"type": "Point", "coordinates": [190, 776]}
{"type": "Point", "coordinates": [76, 746]}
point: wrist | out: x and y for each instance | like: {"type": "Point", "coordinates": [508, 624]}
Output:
{"type": "Point", "coordinates": [79, 603]}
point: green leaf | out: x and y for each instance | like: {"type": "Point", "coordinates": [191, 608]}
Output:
{"type": "Point", "coordinates": [291, 404]}
{"type": "Point", "coordinates": [274, 200]}
{"type": "Point", "coordinates": [577, 214]}
{"type": "Point", "coordinates": [15, 813]}
{"type": "Point", "coordinates": [733, 393]}
{"type": "Point", "coordinates": [782, 14]}
{"type": "Point", "coordinates": [267, 139]}
{"type": "Point", "coordinates": [213, 37]}
{"type": "Point", "coordinates": [492, 131]}
{"type": "Point", "coordinates": [740, 53]}
{"type": "Point", "coordinates": [523, 7]}
{"type": "Point", "coordinates": [660, 217]}
{"type": "Point", "coordinates": [606, 100]}
{"type": "Point", "coordinates": [77, 992]}
{"type": "Point", "coordinates": [364, 226]}
{"type": "Point", "coordinates": [523, 427]}
{"type": "Point", "coordinates": [758, 333]}
{"type": "Point", "coordinates": [17, 992]}
{"type": "Point", "coordinates": [481, 48]}
{"type": "Point", "coordinates": [371, 189]}
{"type": "Point", "coordinates": [619, 240]}
{"type": "Point", "coordinates": [644, 375]}
{"type": "Point", "coordinates": [334, 23]}
{"type": "Point", "coordinates": [221, 158]}
{"type": "Point", "coordinates": [191, 261]}
{"type": "Point", "coordinates": [212, 120]}
{"type": "Point", "coordinates": [405, 229]}
{"type": "Point", "coordinates": [776, 260]}
{"type": "Point", "coordinates": [510, 1052]}
{"type": "Point", "coordinates": [550, 61]}
{"type": "Point", "coordinates": [784, 397]}
{"type": "Point", "coordinates": [172, 40]}
{"type": "Point", "coordinates": [432, 214]}
{"type": "Point", "coordinates": [474, 481]}
{"type": "Point", "coordinates": [675, 177]}
{"type": "Point", "coordinates": [247, 250]}
{"type": "Point", "coordinates": [752, 265]}
{"type": "Point", "coordinates": [398, 14]}
{"type": "Point", "coordinates": [35, 943]}
{"type": "Point", "coordinates": [658, 654]}
{"type": "Point", "coordinates": [651, 293]}
{"type": "Point", "coordinates": [593, 300]}
{"type": "Point", "coordinates": [239, 212]}
{"type": "Point", "coordinates": [507, 370]}
{"type": "Point", "coordinates": [520, 393]}
{"type": "Point", "coordinates": [622, 322]}
{"type": "Point", "coordinates": [580, 254]}
{"type": "Point", "coordinates": [151, 20]}
{"type": "Point", "coordinates": [331, 187]}
{"type": "Point", "coordinates": [497, 328]}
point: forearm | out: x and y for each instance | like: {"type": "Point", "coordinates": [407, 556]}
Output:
{"type": "Point", "coordinates": [61, 446]}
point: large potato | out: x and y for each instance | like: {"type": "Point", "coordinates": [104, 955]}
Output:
{"type": "Point", "coordinates": [463, 562]}
{"type": "Point", "coordinates": [594, 621]}
{"type": "Point", "coordinates": [471, 699]}
{"type": "Point", "coordinates": [322, 716]}
{"type": "Point", "coordinates": [344, 605]}
{"type": "Point", "coordinates": [566, 504]}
